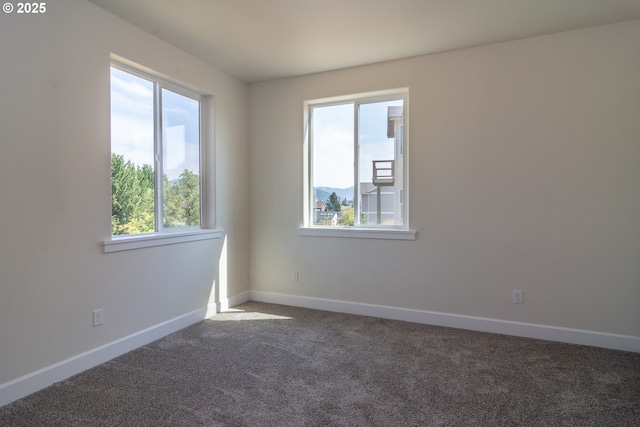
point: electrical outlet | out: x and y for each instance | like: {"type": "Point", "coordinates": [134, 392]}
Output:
{"type": "Point", "coordinates": [294, 276]}
{"type": "Point", "coordinates": [517, 297]}
{"type": "Point", "coordinates": [98, 317]}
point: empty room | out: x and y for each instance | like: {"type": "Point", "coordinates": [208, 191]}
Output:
{"type": "Point", "coordinates": [298, 212]}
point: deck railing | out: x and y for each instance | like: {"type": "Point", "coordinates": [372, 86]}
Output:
{"type": "Point", "coordinates": [383, 172]}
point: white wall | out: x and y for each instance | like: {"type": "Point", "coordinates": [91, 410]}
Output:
{"type": "Point", "coordinates": [55, 192]}
{"type": "Point", "coordinates": [524, 174]}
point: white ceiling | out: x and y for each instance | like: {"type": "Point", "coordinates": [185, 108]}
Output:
{"type": "Point", "coordinates": [257, 40]}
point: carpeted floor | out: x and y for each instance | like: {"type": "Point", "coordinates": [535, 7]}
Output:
{"type": "Point", "coordinates": [271, 365]}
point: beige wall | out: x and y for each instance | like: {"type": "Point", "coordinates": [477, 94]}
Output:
{"type": "Point", "coordinates": [524, 174]}
{"type": "Point", "coordinates": [55, 191]}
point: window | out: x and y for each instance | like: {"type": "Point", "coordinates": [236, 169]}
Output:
{"type": "Point", "coordinates": [357, 163]}
{"type": "Point", "coordinates": [156, 129]}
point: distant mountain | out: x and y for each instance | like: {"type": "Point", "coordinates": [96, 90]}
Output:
{"type": "Point", "coordinates": [323, 193]}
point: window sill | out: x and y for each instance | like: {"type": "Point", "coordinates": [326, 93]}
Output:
{"type": "Point", "coordinates": [358, 233]}
{"type": "Point", "coordinates": [126, 243]}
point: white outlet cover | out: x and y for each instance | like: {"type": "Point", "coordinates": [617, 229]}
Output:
{"type": "Point", "coordinates": [517, 297]}
{"type": "Point", "coordinates": [98, 317]}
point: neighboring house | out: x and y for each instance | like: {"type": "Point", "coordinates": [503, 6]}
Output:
{"type": "Point", "coordinates": [369, 204]}
{"type": "Point", "coordinates": [320, 205]}
{"type": "Point", "coordinates": [387, 182]}
{"type": "Point", "coordinates": [325, 217]}
{"type": "Point", "coordinates": [321, 216]}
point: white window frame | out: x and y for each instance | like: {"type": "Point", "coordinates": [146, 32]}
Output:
{"type": "Point", "coordinates": [394, 232]}
{"type": "Point", "coordinates": [165, 235]}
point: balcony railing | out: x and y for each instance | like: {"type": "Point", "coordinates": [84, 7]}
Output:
{"type": "Point", "coordinates": [383, 172]}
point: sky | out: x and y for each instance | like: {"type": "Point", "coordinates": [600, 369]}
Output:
{"type": "Point", "coordinates": [333, 142]}
{"type": "Point", "coordinates": [132, 132]}
{"type": "Point", "coordinates": [132, 124]}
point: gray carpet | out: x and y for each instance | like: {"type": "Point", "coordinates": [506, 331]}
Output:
{"type": "Point", "coordinates": [271, 365]}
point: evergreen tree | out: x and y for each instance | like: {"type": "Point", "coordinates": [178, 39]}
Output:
{"type": "Point", "coordinates": [182, 200]}
{"type": "Point", "coordinates": [133, 198]}
{"type": "Point", "coordinates": [189, 189]}
{"type": "Point", "coordinates": [333, 202]}
{"type": "Point", "coordinates": [132, 205]}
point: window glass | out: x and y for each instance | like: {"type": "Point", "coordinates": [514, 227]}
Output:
{"type": "Point", "coordinates": [132, 154]}
{"type": "Point", "coordinates": [181, 159]}
{"type": "Point", "coordinates": [380, 163]}
{"type": "Point", "coordinates": [333, 167]}
{"type": "Point", "coordinates": [357, 163]}
{"type": "Point", "coordinates": [155, 174]}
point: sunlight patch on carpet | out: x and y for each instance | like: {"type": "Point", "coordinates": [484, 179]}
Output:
{"type": "Point", "coordinates": [235, 315]}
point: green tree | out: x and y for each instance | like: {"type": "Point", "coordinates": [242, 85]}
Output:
{"type": "Point", "coordinates": [133, 198]}
{"type": "Point", "coordinates": [146, 177]}
{"type": "Point", "coordinates": [347, 218]}
{"type": "Point", "coordinates": [132, 205]}
{"type": "Point", "coordinates": [122, 183]}
{"type": "Point", "coordinates": [189, 189]}
{"type": "Point", "coordinates": [333, 202]}
{"type": "Point", "coordinates": [170, 204]}
{"type": "Point", "coordinates": [182, 200]}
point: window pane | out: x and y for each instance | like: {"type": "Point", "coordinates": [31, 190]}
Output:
{"type": "Point", "coordinates": [181, 160]}
{"type": "Point", "coordinates": [132, 148]}
{"type": "Point", "coordinates": [380, 163]}
{"type": "Point", "coordinates": [333, 167]}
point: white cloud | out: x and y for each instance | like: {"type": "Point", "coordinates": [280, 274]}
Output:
{"type": "Point", "coordinates": [132, 133]}
{"type": "Point", "coordinates": [132, 138]}
{"type": "Point", "coordinates": [333, 158]}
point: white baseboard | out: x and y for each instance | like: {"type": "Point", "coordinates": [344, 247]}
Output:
{"type": "Point", "coordinates": [225, 303]}
{"type": "Point", "coordinates": [34, 381]}
{"type": "Point", "coordinates": [505, 327]}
